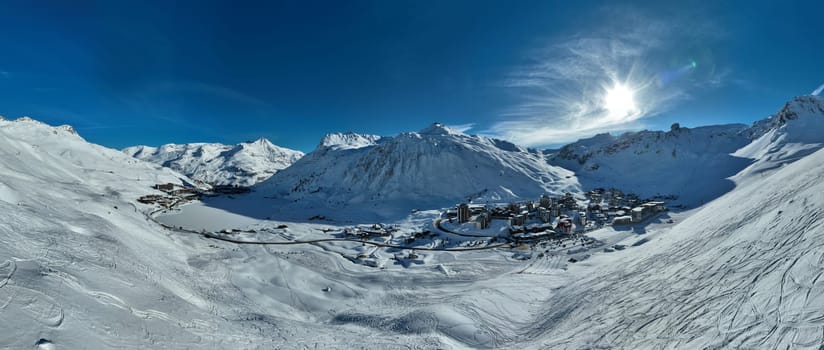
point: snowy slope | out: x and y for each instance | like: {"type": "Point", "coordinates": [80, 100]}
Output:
{"type": "Point", "coordinates": [744, 272]}
{"type": "Point", "coordinates": [81, 266]}
{"type": "Point", "coordinates": [431, 168]}
{"type": "Point", "coordinates": [244, 164]}
{"type": "Point", "coordinates": [79, 263]}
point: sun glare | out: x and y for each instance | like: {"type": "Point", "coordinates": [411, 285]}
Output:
{"type": "Point", "coordinates": [619, 101]}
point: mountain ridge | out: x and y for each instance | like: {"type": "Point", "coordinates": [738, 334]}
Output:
{"type": "Point", "coordinates": [243, 164]}
{"type": "Point", "coordinates": [669, 162]}
{"type": "Point", "coordinates": [435, 166]}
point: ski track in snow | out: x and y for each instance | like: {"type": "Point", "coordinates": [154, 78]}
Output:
{"type": "Point", "coordinates": [7, 269]}
{"type": "Point", "coordinates": [720, 289]}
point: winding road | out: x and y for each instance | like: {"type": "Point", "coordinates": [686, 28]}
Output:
{"type": "Point", "coordinates": [438, 225]}
{"type": "Point", "coordinates": [377, 244]}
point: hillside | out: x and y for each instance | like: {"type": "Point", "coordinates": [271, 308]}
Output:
{"type": "Point", "coordinates": [431, 168]}
{"type": "Point", "coordinates": [244, 164]}
{"type": "Point", "coordinates": [743, 272]}
{"type": "Point", "coordinates": [82, 267]}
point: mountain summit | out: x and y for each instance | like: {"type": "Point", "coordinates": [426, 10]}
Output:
{"type": "Point", "coordinates": [438, 129]}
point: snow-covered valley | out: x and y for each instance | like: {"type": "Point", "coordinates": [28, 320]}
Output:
{"type": "Point", "coordinates": [83, 264]}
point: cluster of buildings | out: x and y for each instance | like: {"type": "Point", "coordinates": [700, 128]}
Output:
{"type": "Point", "coordinates": [178, 190]}
{"type": "Point", "coordinates": [370, 231]}
{"type": "Point", "coordinates": [478, 214]}
{"type": "Point", "coordinates": [646, 210]}
{"type": "Point", "coordinates": [526, 220]}
{"type": "Point", "coordinates": [177, 194]}
{"type": "Point", "coordinates": [614, 207]}
{"type": "Point", "coordinates": [548, 215]}
{"type": "Point", "coordinates": [564, 214]}
{"type": "Point", "coordinates": [174, 194]}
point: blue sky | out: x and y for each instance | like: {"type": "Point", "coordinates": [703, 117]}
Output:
{"type": "Point", "coordinates": [533, 72]}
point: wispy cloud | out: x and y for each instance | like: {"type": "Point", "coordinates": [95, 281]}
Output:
{"type": "Point", "coordinates": [562, 89]}
{"type": "Point", "coordinates": [462, 128]}
{"type": "Point", "coordinates": [816, 92]}
{"type": "Point", "coordinates": [180, 104]}
{"type": "Point", "coordinates": [106, 127]}
{"type": "Point", "coordinates": [212, 90]}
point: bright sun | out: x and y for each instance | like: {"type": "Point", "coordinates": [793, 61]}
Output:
{"type": "Point", "coordinates": [619, 101]}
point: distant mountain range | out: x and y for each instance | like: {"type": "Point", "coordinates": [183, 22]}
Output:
{"type": "Point", "coordinates": [244, 164]}
{"type": "Point", "coordinates": [439, 166]}
{"type": "Point", "coordinates": [696, 164]}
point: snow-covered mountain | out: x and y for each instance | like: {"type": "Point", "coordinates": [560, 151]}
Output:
{"type": "Point", "coordinates": [792, 133]}
{"type": "Point", "coordinates": [82, 266]}
{"type": "Point", "coordinates": [692, 163]}
{"type": "Point", "coordinates": [244, 164]}
{"type": "Point", "coordinates": [433, 167]}
{"type": "Point", "coordinates": [696, 164]}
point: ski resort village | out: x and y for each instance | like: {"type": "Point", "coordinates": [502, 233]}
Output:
{"type": "Point", "coordinates": [542, 218]}
{"type": "Point", "coordinates": [524, 226]}
{"type": "Point", "coordinates": [357, 237]}
{"type": "Point", "coordinates": [411, 175]}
